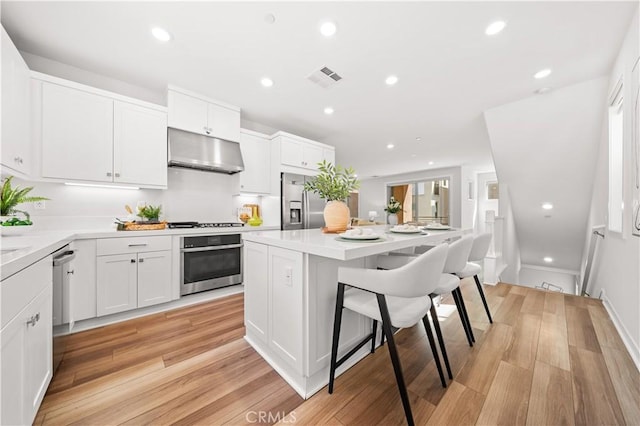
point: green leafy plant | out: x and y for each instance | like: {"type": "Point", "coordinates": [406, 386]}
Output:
{"type": "Point", "coordinates": [393, 206]}
{"type": "Point", "coordinates": [150, 212]}
{"type": "Point", "coordinates": [334, 183]}
{"type": "Point", "coordinates": [11, 197]}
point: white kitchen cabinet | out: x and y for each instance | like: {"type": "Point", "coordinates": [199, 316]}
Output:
{"type": "Point", "coordinates": [90, 135]}
{"type": "Point", "coordinates": [195, 113]}
{"type": "Point", "coordinates": [139, 145]}
{"type": "Point", "coordinates": [255, 153]}
{"type": "Point", "coordinates": [133, 273]}
{"type": "Point", "coordinates": [77, 134]}
{"type": "Point", "coordinates": [82, 282]}
{"type": "Point", "coordinates": [273, 300]}
{"type": "Point", "coordinates": [299, 155]}
{"type": "Point", "coordinates": [16, 141]}
{"type": "Point", "coordinates": [26, 342]}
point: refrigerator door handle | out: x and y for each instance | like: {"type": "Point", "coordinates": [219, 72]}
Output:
{"type": "Point", "coordinates": [305, 210]}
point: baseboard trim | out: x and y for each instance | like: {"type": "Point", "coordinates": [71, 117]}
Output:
{"type": "Point", "coordinates": [632, 348]}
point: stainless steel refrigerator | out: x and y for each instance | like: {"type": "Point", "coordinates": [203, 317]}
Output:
{"type": "Point", "coordinates": [299, 209]}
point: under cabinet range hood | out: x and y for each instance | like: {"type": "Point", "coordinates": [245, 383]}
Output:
{"type": "Point", "coordinates": [194, 151]}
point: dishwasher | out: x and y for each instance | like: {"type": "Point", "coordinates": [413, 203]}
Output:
{"type": "Point", "coordinates": [61, 299]}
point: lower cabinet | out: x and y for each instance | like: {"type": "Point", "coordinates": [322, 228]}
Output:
{"type": "Point", "coordinates": [26, 344]}
{"type": "Point", "coordinates": [133, 273]}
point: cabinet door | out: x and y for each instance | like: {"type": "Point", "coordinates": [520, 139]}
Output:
{"type": "Point", "coordinates": [256, 281]}
{"type": "Point", "coordinates": [255, 154]}
{"type": "Point", "coordinates": [82, 283]}
{"type": "Point", "coordinates": [312, 156]}
{"type": "Point", "coordinates": [117, 283]}
{"type": "Point", "coordinates": [329, 155]}
{"type": "Point", "coordinates": [77, 134]}
{"type": "Point", "coordinates": [285, 305]}
{"type": "Point", "coordinates": [224, 123]}
{"type": "Point", "coordinates": [12, 370]}
{"type": "Point", "coordinates": [139, 145]}
{"type": "Point", "coordinates": [154, 278]}
{"type": "Point", "coordinates": [291, 152]}
{"type": "Point", "coordinates": [16, 144]}
{"type": "Point", "coordinates": [38, 353]}
{"type": "Point", "coordinates": [187, 113]}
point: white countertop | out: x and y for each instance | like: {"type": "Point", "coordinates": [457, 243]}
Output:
{"type": "Point", "coordinates": [20, 251]}
{"type": "Point", "coordinates": [313, 241]}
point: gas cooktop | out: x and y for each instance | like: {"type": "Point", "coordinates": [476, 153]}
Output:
{"type": "Point", "coordinates": [205, 225]}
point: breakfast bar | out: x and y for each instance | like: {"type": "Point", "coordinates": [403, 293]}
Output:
{"type": "Point", "coordinates": [290, 292]}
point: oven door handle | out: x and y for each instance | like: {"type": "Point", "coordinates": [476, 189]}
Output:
{"type": "Point", "coordinates": [210, 248]}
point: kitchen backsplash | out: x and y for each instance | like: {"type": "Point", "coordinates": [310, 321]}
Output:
{"type": "Point", "coordinates": [191, 195]}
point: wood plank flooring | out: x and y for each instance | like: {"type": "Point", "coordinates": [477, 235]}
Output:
{"type": "Point", "coordinates": [548, 359]}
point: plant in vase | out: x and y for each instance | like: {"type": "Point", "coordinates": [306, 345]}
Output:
{"type": "Point", "coordinates": [150, 213]}
{"type": "Point", "coordinates": [334, 183]}
{"type": "Point", "coordinates": [10, 198]}
{"type": "Point", "coordinates": [393, 207]}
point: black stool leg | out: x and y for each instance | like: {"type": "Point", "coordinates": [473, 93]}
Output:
{"type": "Point", "coordinates": [434, 351]}
{"type": "Point", "coordinates": [443, 349]}
{"type": "Point", "coordinates": [395, 360]}
{"type": "Point", "coordinates": [461, 315]}
{"type": "Point", "coordinates": [373, 336]}
{"type": "Point", "coordinates": [466, 315]}
{"type": "Point", "coordinates": [337, 321]}
{"type": "Point", "coordinates": [484, 300]}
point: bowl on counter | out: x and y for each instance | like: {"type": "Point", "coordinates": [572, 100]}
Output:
{"type": "Point", "coordinates": [8, 231]}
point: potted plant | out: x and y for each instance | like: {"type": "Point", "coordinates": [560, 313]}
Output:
{"type": "Point", "coordinates": [10, 198]}
{"type": "Point", "coordinates": [334, 183]}
{"type": "Point", "coordinates": [393, 207]}
{"type": "Point", "coordinates": [150, 213]}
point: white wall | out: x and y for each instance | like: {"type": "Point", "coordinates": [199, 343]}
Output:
{"type": "Point", "coordinates": [533, 276]}
{"type": "Point", "coordinates": [510, 242]}
{"type": "Point", "coordinates": [373, 192]}
{"type": "Point", "coordinates": [617, 264]}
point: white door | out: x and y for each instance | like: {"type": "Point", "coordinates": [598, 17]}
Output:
{"type": "Point", "coordinates": [256, 284]}
{"type": "Point", "coordinates": [139, 145]}
{"type": "Point", "coordinates": [16, 145]}
{"type": "Point", "coordinates": [154, 278]}
{"type": "Point", "coordinates": [224, 123]}
{"type": "Point", "coordinates": [77, 134]}
{"type": "Point", "coordinates": [187, 113]}
{"type": "Point", "coordinates": [255, 154]}
{"type": "Point", "coordinates": [38, 353]}
{"type": "Point", "coordinates": [312, 156]}
{"type": "Point", "coordinates": [12, 370]}
{"type": "Point", "coordinates": [117, 283]}
{"type": "Point", "coordinates": [291, 152]}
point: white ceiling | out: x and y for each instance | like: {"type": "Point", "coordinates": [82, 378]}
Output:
{"type": "Point", "coordinates": [449, 70]}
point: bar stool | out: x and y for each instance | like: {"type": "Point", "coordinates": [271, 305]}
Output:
{"type": "Point", "coordinates": [478, 252]}
{"type": "Point", "coordinates": [398, 298]}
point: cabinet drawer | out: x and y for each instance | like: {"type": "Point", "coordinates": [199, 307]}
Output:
{"type": "Point", "coordinates": [109, 246]}
{"type": "Point", "coordinates": [19, 289]}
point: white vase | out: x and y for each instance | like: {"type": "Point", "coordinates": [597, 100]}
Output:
{"type": "Point", "coordinates": [392, 219]}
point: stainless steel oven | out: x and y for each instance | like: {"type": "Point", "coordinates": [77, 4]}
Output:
{"type": "Point", "coordinates": [210, 261]}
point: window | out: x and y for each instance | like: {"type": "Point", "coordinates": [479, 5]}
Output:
{"type": "Point", "coordinates": [493, 191]}
{"type": "Point", "coordinates": [423, 201]}
{"type": "Point", "coordinates": [616, 159]}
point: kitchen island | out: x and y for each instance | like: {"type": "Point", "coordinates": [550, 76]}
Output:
{"type": "Point", "coordinates": [290, 280]}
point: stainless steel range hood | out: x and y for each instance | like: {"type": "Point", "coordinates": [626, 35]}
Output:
{"type": "Point", "coordinates": [194, 151]}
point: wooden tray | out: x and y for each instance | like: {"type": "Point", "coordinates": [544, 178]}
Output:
{"type": "Point", "coordinates": [332, 231]}
{"type": "Point", "coordinates": [133, 226]}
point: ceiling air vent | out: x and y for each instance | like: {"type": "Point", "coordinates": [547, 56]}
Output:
{"type": "Point", "coordinates": [324, 77]}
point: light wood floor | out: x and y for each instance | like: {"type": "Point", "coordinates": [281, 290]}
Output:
{"type": "Point", "coordinates": [548, 359]}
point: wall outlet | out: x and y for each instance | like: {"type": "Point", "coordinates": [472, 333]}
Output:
{"type": "Point", "coordinates": [39, 205]}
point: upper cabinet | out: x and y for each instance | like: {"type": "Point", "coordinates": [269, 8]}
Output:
{"type": "Point", "coordinates": [255, 153]}
{"type": "Point", "coordinates": [296, 154]}
{"type": "Point", "coordinates": [195, 113]}
{"type": "Point", "coordinates": [16, 141]}
{"type": "Point", "coordinates": [90, 135]}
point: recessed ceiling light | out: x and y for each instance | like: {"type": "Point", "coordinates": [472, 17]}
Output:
{"type": "Point", "coordinates": [328, 29]}
{"type": "Point", "coordinates": [431, 163]}
{"type": "Point", "coordinates": [391, 80]}
{"type": "Point", "coordinates": [390, 146]}
{"type": "Point", "coordinates": [548, 259]}
{"type": "Point", "coordinates": [269, 18]}
{"type": "Point", "coordinates": [266, 82]}
{"type": "Point", "coordinates": [328, 110]}
{"type": "Point", "coordinates": [161, 34]}
{"type": "Point", "coordinates": [418, 138]}
{"type": "Point", "coordinates": [547, 206]}
{"type": "Point", "coordinates": [542, 73]}
{"type": "Point", "coordinates": [495, 27]}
